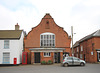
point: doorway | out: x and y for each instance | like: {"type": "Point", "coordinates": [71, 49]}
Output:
{"type": "Point", "coordinates": [84, 57]}
{"type": "Point", "coordinates": [57, 57]}
{"type": "Point", "coordinates": [98, 56]}
{"type": "Point", "coordinates": [37, 57]}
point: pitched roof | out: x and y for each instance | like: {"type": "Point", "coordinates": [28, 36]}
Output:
{"type": "Point", "coordinates": [76, 44]}
{"type": "Point", "coordinates": [10, 34]}
{"type": "Point", "coordinates": [95, 34]}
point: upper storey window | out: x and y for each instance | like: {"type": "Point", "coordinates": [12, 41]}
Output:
{"type": "Point", "coordinates": [47, 40]}
{"type": "Point", "coordinates": [6, 44]}
{"type": "Point", "coordinates": [81, 48]}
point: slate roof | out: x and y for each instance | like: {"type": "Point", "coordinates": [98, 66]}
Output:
{"type": "Point", "coordinates": [95, 34]}
{"type": "Point", "coordinates": [10, 34]}
{"type": "Point", "coordinates": [76, 44]}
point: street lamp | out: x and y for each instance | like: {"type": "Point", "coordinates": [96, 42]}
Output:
{"type": "Point", "coordinates": [72, 40]}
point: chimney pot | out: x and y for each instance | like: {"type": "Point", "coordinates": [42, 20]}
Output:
{"type": "Point", "coordinates": [17, 27]}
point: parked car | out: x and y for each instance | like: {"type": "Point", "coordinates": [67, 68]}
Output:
{"type": "Point", "coordinates": [73, 61]}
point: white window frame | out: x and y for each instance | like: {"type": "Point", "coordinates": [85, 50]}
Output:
{"type": "Point", "coordinates": [81, 56]}
{"type": "Point", "coordinates": [47, 39]}
{"type": "Point", "coordinates": [47, 54]}
{"type": "Point", "coordinates": [81, 48]}
{"type": "Point", "coordinates": [6, 58]}
{"type": "Point", "coordinates": [77, 49]}
{"type": "Point", "coordinates": [6, 44]}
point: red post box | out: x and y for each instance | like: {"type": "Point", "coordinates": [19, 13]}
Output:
{"type": "Point", "coordinates": [15, 61]}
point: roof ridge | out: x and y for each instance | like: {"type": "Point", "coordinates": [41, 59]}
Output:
{"type": "Point", "coordinates": [10, 30]}
{"type": "Point", "coordinates": [94, 34]}
{"type": "Point", "coordinates": [89, 36]}
{"type": "Point", "coordinates": [97, 33]}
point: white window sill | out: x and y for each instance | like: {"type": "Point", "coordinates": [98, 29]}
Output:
{"type": "Point", "coordinates": [47, 56]}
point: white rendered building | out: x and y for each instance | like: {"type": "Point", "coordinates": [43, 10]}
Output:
{"type": "Point", "coordinates": [11, 46]}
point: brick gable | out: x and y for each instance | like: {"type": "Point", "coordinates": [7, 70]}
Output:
{"type": "Point", "coordinates": [47, 24]}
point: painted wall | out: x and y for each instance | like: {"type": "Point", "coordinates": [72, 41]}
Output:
{"type": "Point", "coordinates": [15, 49]}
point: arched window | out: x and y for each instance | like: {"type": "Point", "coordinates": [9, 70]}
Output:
{"type": "Point", "coordinates": [47, 40]}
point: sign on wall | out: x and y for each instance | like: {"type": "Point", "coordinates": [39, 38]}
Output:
{"type": "Point", "coordinates": [92, 53]}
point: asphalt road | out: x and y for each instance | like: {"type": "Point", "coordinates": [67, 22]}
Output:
{"type": "Point", "coordinates": [55, 68]}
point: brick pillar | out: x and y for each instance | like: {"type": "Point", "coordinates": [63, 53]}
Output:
{"type": "Point", "coordinates": [52, 57]}
{"type": "Point", "coordinates": [32, 57]}
{"type": "Point", "coordinates": [61, 56]}
{"type": "Point", "coordinates": [41, 57]}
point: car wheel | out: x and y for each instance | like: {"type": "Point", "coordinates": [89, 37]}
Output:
{"type": "Point", "coordinates": [65, 64]}
{"type": "Point", "coordinates": [82, 64]}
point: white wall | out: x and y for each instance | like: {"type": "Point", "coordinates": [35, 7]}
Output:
{"type": "Point", "coordinates": [15, 49]}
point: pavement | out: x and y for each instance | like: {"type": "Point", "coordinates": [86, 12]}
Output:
{"type": "Point", "coordinates": [55, 68]}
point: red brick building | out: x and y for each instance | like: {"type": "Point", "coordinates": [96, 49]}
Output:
{"type": "Point", "coordinates": [88, 48]}
{"type": "Point", "coordinates": [47, 41]}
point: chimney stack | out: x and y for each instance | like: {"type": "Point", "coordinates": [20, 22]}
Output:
{"type": "Point", "coordinates": [17, 27]}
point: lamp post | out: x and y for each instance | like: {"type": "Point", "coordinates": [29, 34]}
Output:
{"type": "Point", "coordinates": [72, 40]}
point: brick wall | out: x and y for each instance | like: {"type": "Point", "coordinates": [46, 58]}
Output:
{"type": "Point", "coordinates": [47, 24]}
{"type": "Point", "coordinates": [89, 49]}
{"type": "Point", "coordinates": [62, 40]}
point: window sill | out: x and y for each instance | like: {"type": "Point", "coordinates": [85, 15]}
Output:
{"type": "Point", "coordinates": [47, 56]}
{"type": "Point", "coordinates": [6, 48]}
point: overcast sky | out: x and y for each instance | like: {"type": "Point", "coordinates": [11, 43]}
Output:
{"type": "Point", "coordinates": [83, 15]}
